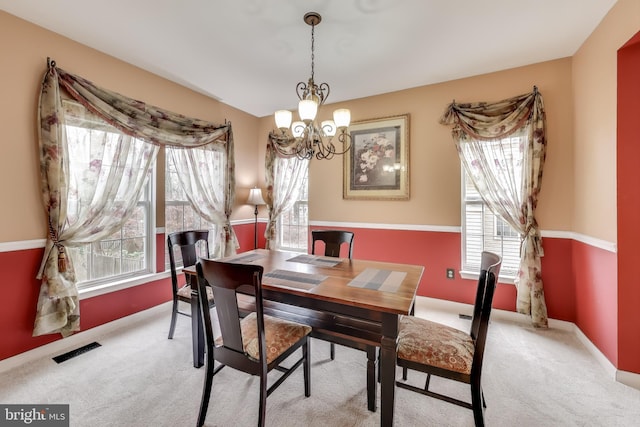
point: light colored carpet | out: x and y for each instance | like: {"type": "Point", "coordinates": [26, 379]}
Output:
{"type": "Point", "coordinates": [140, 378]}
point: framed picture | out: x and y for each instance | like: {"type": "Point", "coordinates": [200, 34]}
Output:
{"type": "Point", "coordinates": [377, 165]}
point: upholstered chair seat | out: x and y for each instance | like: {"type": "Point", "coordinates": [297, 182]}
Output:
{"type": "Point", "coordinates": [280, 335]}
{"type": "Point", "coordinates": [435, 344]}
{"type": "Point", "coordinates": [185, 292]}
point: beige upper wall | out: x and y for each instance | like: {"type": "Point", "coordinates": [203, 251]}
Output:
{"type": "Point", "coordinates": [595, 84]}
{"type": "Point", "coordinates": [578, 192]}
{"type": "Point", "coordinates": [434, 163]}
{"type": "Point", "coordinates": [24, 49]}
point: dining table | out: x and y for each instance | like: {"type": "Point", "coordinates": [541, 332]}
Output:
{"type": "Point", "coordinates": [362, 300]}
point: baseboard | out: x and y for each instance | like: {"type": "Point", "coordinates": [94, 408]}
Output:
{"type": "Point", "coordinates": [81, 338]}
{"type": "Point", "coordinates": [630, 379]}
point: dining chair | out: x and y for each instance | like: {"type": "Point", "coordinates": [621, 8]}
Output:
{"type": "Point", "coordinates": [255, 344]}
{"type": "Point", "coordinates": [443, 351]}
{"type": "Point", "coordinates": [188, 242]}
{"type": "Point", "coordinates": [333, 241]}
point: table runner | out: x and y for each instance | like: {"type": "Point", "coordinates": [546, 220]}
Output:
{"type": "Point", "coordinates": [321, 261]}
{"type": "Point", "coordinates": [243, 258]}
{"type": "Point", "coordinates": [293, 279]}
{"type": "Point", "coordinates": [379, 280]}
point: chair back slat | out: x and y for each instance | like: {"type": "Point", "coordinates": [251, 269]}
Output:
{"type": "Point", "coordinates": [226, 281]}
{"type": "Point", "coordinates": [186, 241]}
{"type": "Point", "coordinates": [490, 262]}
{"type": "Point", "coordinates": [483, 326]}
{"type": "Point", "coordinates": [333, 240]}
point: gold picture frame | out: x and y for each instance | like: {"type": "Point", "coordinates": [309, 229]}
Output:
{"type": "Point", "coordinates": [377, 165]}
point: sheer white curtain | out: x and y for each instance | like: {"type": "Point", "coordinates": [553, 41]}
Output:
{"type": "Point", "coordinates": [202, 173]}
{"type": "Point", "coordinates": [284, 177]}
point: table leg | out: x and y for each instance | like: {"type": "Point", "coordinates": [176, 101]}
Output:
{"type": "Point", "coordinates": [388, 348]}
{"type": "Point", "coordinates": [197, 331]}
{"type": "Point", "coordinates": [372, 385]}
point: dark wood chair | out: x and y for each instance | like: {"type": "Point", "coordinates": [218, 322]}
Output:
{"type": "Point", "coordinates": [441, 350]}
{"type": "Point", "coordinates": [333, 241]}
{"type": "Point", "coordinates": [255, 344]}
{"type": "Point", "coordinates": [187, 241]}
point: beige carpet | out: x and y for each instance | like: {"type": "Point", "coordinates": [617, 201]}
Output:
{"type": "Point", "coordinates": [140, 378]}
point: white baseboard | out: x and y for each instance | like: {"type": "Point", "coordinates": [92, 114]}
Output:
{"type": "Point", "coordinates": [82, 338]}
{"type": "Point", "coordinates": [630, 379]}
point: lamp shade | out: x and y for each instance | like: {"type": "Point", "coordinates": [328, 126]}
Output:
{"type": "Point", "coordinates": [255, 197]}
{"type": "Point", "coordinates": [307, 110]}
{"type": "Point", "coordinates": [283, 119]}
{"type": "Point", "coordinates": [342, 117]}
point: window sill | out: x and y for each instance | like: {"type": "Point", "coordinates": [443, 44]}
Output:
{"type": "Point", "coordinates": [473, 275]}
{"type": "Point", "coordinates": [105, 288]}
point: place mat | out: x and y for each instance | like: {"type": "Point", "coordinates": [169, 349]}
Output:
{"type": "Point", "coordinates": [243, 258]}
{"type": "Point", "coordinates": [293, 279]}
{"type": "Point", "coordinates": [320, 261]}
{"type": "Point", "coordinates": [379, 280]}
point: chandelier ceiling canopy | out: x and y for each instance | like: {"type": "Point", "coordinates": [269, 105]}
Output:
{"type": "Point", "coordinates": [304, 137]}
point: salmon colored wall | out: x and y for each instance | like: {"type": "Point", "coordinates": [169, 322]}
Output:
{"type": "Point", "coordinates": [628, 318]}
{"type": "Point", "coordinates": [437, 251]}
{"type": "Point", "coordinates": [596, 297]}
{"type": "Point", "coordinates": [594, 84]}
{"type": "Point", "coordinates": [19, 305]}
{"type": "Point", "coordinates": [25, 48]}
{"type": "Point", "coordinates": [577, 193]}
{"type": "Point", "coordinates": [434, 162]}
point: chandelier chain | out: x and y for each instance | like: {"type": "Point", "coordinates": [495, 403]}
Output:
{"type": "Point", "coordinates": [313, 39]}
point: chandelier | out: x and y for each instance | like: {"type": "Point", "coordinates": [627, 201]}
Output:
{"type": "Point", "coordinates": [304, 137]}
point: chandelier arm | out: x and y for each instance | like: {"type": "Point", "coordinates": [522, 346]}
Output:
{"type": "Point", "coordinates": [321, 89]}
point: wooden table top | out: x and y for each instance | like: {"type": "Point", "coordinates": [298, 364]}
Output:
{"type": "Point", "coordinates": [335, 287]}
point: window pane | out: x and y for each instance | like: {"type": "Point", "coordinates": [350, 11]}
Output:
{"type": "Point", "coordinates": [293, 224]}
{"type": "Point", "coordinates": [180, 216]}
{"type": "Point", "coordinates": [484, 231]}
{"type": "Point", "coordinates": [123, 253]}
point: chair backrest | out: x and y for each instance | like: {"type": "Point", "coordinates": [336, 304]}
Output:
{"type": "Point", "coordinates": [490, 269]}
{"type": "Point", "coordinates": [489, 262]}
{"type": "Point", "coordinates": [226, 280]}
{"type": "Point", "coordinates": [187, 241]}
{"type": "Point", "coordinates": [333, 240]}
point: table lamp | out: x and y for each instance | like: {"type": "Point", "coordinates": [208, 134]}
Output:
{"type": "Point", "coordinates": [255, 198]}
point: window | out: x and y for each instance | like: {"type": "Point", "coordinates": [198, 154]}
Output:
{"type": "Point", "coordinates": [293, 224]}
{"type": "Point", "coordinates": [126, 252]}
{"type": "Point", "coordinates": [482, 230]}
{"type": "Point", "coordinates": [179, 215]}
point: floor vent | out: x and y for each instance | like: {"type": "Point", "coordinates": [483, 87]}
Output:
{"type": "Point", "coordinates": [464, 316]}
{"type": "Point", "coordinates": [77, 352]}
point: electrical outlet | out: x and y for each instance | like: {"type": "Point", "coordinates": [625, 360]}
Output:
{"type": "Point", "coordinates": [450, 273]}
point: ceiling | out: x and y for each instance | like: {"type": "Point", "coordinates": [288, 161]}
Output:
{"type": "Point", "coordinates": [251, 53]}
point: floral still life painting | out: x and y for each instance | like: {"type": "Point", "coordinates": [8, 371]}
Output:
{"type": "Point", "coordinates": [377, 166]}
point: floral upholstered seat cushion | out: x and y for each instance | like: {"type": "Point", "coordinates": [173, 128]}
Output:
{"type": "Point", "coordinates": [435, 344]}
{"type": "Point", "coordinates": [280, 335]}
{"type": "Point", "coordinates": [185, 291]}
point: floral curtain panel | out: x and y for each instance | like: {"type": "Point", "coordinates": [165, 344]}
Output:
{"type": "Point", "coordinates": [477, 131]}
{"type": "Point", "coordinates": [284, 175]}
{"type": "Point", "coordinates": [74, 220]}
{"type": "Point", "coordinates": [199, 171]}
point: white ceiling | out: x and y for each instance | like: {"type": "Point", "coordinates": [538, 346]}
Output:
{"type": "Point", "coordinates": [251, 53]}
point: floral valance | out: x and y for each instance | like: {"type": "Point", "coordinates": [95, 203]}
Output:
{"type": "Point", "coordinates": [489, 121]}
{"type": "Point", "coordinates": [138, 119]}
